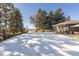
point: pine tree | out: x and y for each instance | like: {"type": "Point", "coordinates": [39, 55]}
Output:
{"type": "Point", "coordinates": [59, 16]}
{"type": "Point", "coordinates": [49, 21]}
{"type": "Point", "coordinates": [12, 23]}
{"type": "Point", "coordinates": [19, 22]}
{"type": "Point", "coordinates": [39, 19]}
{"type": "Point", "coordinates": [15, 22]}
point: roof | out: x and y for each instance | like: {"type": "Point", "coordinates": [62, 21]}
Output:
{"type": "Point", "coordinates": [75, 25]}
{"type": "Point", "coordinates": [67, 23]}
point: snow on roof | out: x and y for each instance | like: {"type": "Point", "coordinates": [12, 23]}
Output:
{"type": "Point", "coordinates": [67, 23]}
{"type": "Point", "coordinates": [75, 25]}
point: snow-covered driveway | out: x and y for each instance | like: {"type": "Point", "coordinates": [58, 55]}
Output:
{"type": "Point", "coordinates": [40, 44]}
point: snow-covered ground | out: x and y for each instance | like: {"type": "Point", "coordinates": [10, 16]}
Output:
{"type": "Point", "coordinates": [40, 44]}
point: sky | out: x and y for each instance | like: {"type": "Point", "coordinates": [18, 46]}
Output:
{"type": "Point", "coordinates": [30, 9]}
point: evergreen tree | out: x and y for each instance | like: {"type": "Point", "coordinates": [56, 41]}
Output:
{"type": "Point", "coordinates": [32, 20]}
{"type": "Point", "coordinates": [59, 16]}
{"type": "Point", "coordinates": [15, 22]}
{"type": "Point", "coordinates": [49, 21]}
{"type": "Point", "coordinates": [19, 21]}
{"type": "Point", "coordinates": [39, 19]}
{"type": "Point", "coordinates": [12, 23]}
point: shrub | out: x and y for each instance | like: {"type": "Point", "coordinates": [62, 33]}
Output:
{"type": "Point", "coordinates": [8, 35]}
{"type": "Point", "coordinates": [1, 38]}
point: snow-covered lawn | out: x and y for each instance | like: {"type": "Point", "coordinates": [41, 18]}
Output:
{"type": "Point", "coordinates": [40, 44]}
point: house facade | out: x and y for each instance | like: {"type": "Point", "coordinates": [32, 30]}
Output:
{"type": "Point", "coordinates": [65, 27]}
{"type": "Point", "coordinates": [75, 29]}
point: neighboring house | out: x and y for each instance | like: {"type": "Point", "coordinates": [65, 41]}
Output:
{"type": "Point", "coordinates": [64, 27]}
{"type": "Point", "coordinates": [31, 30]}
{"type": "Point", "coordinates": [75, 29]}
